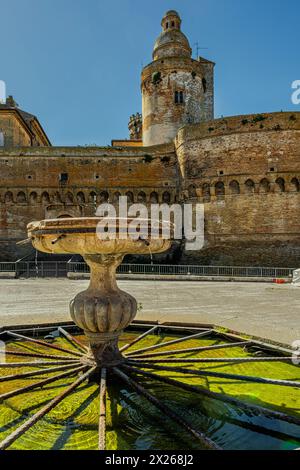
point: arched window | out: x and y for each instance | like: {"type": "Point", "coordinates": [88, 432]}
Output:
{"type": "Point", "coordinates": [1, 139]}
{"type": "Point", "coordinates": [45, 198]}
{"type": "Point", "coordinates": [69, 198]}
{"type": "Point", "coordinates": [57, 198]}
{"type": "Point", "coordinates": [103, 197]}
{"type": "Point", "coordinates": [167, 25]}
{"type": "Point", "coordinates": [21, 197]}
{"type": "Point", "coordinates": [264, 186]}
{"type": "Point", "coordinates": [192, 190]}
{"type": "Point", "coordinates": [154, 198]}
{"type": "Point", "coordinates": [166, 197]}
{"type": "Point", "coordinates": [234, 187]}
{"type": "Point", "coordinates": [33, 197]}
{"type": "Point", "coordinates": [116, 197]}
{"type": "Point", "coordinates": [130, 198]}
{"type": "Point", "coordinates": [80, 198]}
{"type": "Point", "coordinates": [220, 189]}
{"type": "Point", "coordinates": [141, 197]}
{"type": "Point", "coordinates": [296, 184]}
{"type": "Point", "coordinates": [8, 197]}
{"type": "Point", "coordinates": [206, 192]}
{"type": "Point", "coordinates": [93, 197]}
{"type": "Point", "coordinates": [204, 84]}
{"type": "Point", "coordinates": [249, 186]}
{"type": "Point", "coordinates": [280, 185]}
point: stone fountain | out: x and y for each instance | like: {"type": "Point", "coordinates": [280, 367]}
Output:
{"type": "Point", "coordinates": [102, 311]}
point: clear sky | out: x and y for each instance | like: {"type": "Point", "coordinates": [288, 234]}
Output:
{"type": "Point", "coordinates": [76, 63]}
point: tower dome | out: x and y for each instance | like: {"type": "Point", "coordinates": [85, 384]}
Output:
{"type": "Point", "coordinates": [171, 42]}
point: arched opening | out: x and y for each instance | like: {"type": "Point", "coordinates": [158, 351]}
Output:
{"type": "Point", "coordinates": [116, 197]}
{"type": "Point", "coordinates": [264, 186]}
{"type": "Point", "coordinates": [33, 197]}
{"type": "Point", "coordinates": [166, 197]}
{"type": "Point", "coordinates": [8, 197]}
{"type": "Point", "coordinates": [206, 192]}
{"type": "Point", "coordinates": [45, 199]}
{"type": "Point", "coordinates": [93, 197]}
{"type": "Point", "coordinates": [234, 187]}
{"type": "Point", "coordinates": [21, 197]}
{"type": "Point", "coordinates": [130, 197]}
{"type": "Point", "coordinates": [57, 198]}
{"type": "Point", "coordinates": [295, 184]}
{"type": "Point", "coordinates": [69, 198]}
{"type": "Point", "coordinates": [249, 186]}
{"type": "Point", "coordinates": [280, 185]}
{"type": "Point", "coordinates": [141, 197]}
{"type": "Point", "coordinates": [80, 198]}
{"type": "Point", "coordinates": [103, 197]}
{"type": "Point", "coordinates": [220, 189]}
{"type": "Point", "coordinates": [154, 198]}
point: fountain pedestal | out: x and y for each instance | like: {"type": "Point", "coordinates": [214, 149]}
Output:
{"type": "Point", "coordinates": [103, 310]}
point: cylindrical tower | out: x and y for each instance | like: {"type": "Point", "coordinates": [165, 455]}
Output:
{"type": "Point", "coordinates": [176, 89]}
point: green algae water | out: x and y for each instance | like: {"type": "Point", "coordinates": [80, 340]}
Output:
{"type": "Point", "coordinates": [135, 424]}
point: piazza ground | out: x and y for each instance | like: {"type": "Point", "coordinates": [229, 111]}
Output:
{"type": "Point", "coordinates": [260, 309]}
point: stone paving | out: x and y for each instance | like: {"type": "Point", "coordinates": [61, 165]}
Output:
{"type": "Point", "coordinates": [266, 310]}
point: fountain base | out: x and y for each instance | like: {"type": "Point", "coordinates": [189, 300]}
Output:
{"type": "Point", "coordinates": [104, 349]}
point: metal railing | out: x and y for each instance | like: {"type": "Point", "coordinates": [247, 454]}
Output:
{"type": "Point", "coordinates": [192, 270]}
{"type": "Point", "coordinates": [62, 268]}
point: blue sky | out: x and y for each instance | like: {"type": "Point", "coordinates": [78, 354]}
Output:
{"type": "Point", "coordinates": [76, 63]}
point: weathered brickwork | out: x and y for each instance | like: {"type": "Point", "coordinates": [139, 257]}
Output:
{"type": "Point", "coordinates": [244, 169]}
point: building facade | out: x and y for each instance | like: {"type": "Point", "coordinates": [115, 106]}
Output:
{"type": "Point", "coordinates": [244, 169]}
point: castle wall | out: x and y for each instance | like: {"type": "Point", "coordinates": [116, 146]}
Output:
{"type": "Point", "coordinates": [246, 170]}
{"type": "Point", "coordinates": [33, 185]}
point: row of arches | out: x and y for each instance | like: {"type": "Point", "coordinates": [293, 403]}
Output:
{"type": "Point", "coordinates": [235, 187]}
{"type": "Point", "coordinates": [84, 197]}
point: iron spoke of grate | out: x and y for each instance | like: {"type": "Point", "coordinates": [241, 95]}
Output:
{"type": "Point", "coordinates": [127, 346]}
{"type": "Point", "coordinates": [74, 341]}
{"type": "Point", "coordinates": [223, 375]}
{"type": "Point", "coordinates": [42, 383]}
{"type": "Point", "coordinates": [33, 354]}
{"type": "Point", "coordinates": [24, 375]}
{"type": "Point", "coordinates": [215, 359]}
{"type": "Point", "coordinates": [169, 343]}
{"type": "Point", "coordinates": [102, 417]}
{"type": "Point", "coordinates": [43, 343]}
{"type": "Point", "coordinates": [41, 413]}
{"type": "Point", "coordinates": [188, 350]}
{"type": "Point", "coordinates": [205, 441]}
{"type": "Point", "coordinates": [218, 396]}
{"type": "Point", "coordinates": [14, 365]}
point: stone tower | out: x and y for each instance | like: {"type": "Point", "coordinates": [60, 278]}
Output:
{"type": "Point", "coordinates": [176, 89]}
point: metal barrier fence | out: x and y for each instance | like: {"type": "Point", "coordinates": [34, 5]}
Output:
{"type": "Point", "coordinates": [193, 270]}
{"type": "Point", "coordinates": [62, 268]}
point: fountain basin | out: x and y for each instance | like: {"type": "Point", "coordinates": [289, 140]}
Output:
{"type": "Point", "coordinates": [134, 424]}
